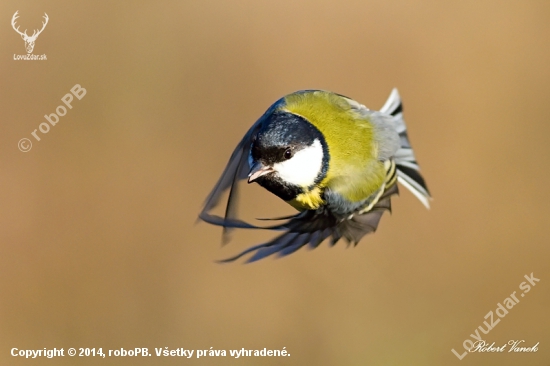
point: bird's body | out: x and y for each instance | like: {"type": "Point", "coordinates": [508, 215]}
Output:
{"type": "Point", "coordinates": [329, 157]}
{"type": "Point", "coordinates": [352, 176]}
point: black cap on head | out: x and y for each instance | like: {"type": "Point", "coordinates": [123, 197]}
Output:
{"type": "Point", "coordinates": [282, 135]}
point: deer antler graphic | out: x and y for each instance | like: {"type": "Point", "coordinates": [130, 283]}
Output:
{"type": "Point", "coordinates": [29, 41]}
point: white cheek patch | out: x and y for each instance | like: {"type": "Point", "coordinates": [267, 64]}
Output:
{"type": "Point", "coordinates": [303, 167]}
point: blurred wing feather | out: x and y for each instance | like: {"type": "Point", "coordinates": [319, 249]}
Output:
{"type": "Point", "coordinates": [313, 227]}
{"type": "Point", "coordinates": [237, 169]}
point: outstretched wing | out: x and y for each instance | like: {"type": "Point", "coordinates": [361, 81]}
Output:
{"type": "Point", "coordinates": [237, 169]}
{"type": "Point", "coordinates": [314, 226]}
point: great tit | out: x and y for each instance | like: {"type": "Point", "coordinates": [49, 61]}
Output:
{"type": "Point", "coordinates": [328, 156]}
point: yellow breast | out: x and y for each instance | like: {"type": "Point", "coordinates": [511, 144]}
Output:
{"type": "Point", "coordinates": [310, 200]}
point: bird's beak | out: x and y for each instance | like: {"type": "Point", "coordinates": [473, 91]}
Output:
{"type": "Point", "coordinates": [257, 170]}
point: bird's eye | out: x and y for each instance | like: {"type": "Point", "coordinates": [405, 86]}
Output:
{"type": "Point", "coordinates": [288, 154]}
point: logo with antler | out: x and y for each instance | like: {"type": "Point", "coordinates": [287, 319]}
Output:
{"type": "Point", "coordinates": [29, 40]}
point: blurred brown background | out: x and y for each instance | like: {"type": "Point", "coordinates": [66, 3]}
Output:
{"type": "Point", "coordinates": [98, 241]}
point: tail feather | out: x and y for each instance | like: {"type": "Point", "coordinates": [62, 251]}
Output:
{"type": "Point", "coordinates": [408, 171]}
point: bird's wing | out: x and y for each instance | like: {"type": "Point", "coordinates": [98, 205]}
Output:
{"type": "Point", "coordinates": [314, 226]}
{"type": "Point", "coordinates": [408, 171]}
{"type": "Point", "coordinates": [237, 169]}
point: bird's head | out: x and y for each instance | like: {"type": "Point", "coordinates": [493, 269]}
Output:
{"type": "Point", "coordinates": [288, 155]}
